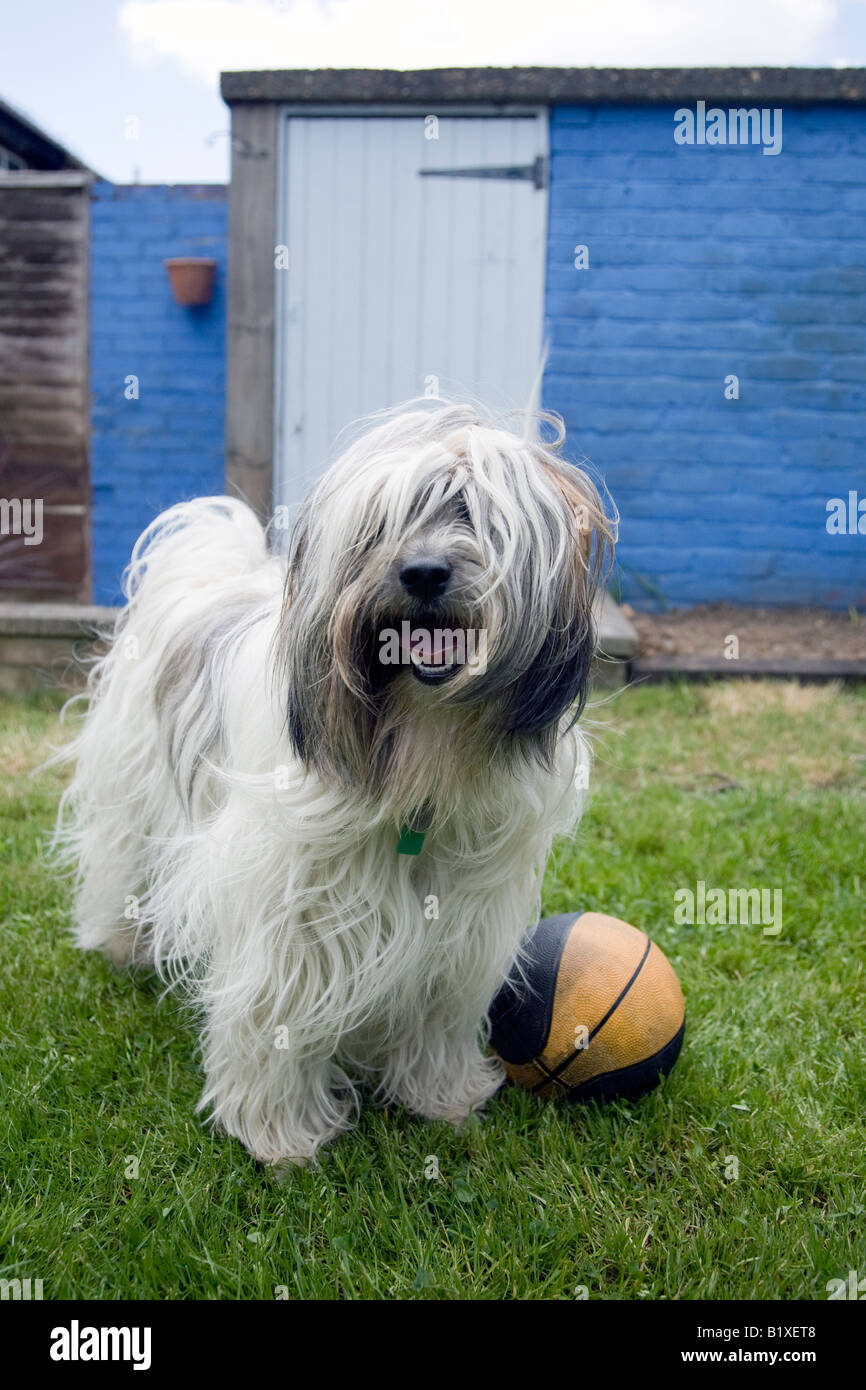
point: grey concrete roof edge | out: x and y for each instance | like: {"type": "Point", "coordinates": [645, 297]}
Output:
{"type": "Point", "coordinates": [550, 86]}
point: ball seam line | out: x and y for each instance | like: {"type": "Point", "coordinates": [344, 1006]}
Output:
{"type": "Point", "coordinates": [560, 1067]}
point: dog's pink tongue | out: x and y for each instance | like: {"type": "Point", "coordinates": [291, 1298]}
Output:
{"type": "Point", "coordinates": [440, 648]}
{"type": "Point", "coordinates": [416, 644]}
{"type": "Point", "coordinates": [433, 648]}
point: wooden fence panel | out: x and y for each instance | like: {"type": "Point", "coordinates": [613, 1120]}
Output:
{"type": "Point", "coordinates": [44, 386]}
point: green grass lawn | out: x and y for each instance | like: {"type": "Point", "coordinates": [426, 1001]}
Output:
{"type": "Point", "coordinates": [739, 785]}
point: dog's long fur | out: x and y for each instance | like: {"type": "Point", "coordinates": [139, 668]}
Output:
{"type": "Point", "coordinates": [246, 765]}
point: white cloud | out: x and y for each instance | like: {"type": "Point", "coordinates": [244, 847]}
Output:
{"type": "Point", "coordinates": [207, 36]}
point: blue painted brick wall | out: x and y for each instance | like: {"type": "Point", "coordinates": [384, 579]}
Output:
{"type": "Point", "coordinates": [704, 262]}
{"type": "Point", "coordinates": [169, 444]}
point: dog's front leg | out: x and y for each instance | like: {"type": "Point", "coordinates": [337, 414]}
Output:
{"type": "Point", "coordinates": [439, 1068]}
{"type": "Point", "coordinates": [282, 1103]}
{"type": "Point", "coordinates": [273, 1084]}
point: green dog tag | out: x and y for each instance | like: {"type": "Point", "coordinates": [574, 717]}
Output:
{"type": "Point", "coordinates": [411, 841]}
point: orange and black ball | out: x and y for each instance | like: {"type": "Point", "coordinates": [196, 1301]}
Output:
{"type": "Point", "coordinates": [595, 1011]}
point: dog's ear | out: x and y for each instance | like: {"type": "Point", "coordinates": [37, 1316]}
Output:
{"type": "Point", "coordinates": [295, 663]}
{"type": "Point", "coordinates": [300, 730]}
{"type": "Point", "coordinates": [583, 511]}
{"type": "Point", "coordinates": [325, 668]}
{"type": "Point", "coordinates": [331, 726]}
{"type": "Point", "coordinates": [558, 678]}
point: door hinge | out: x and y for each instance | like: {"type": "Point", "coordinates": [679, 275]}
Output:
{"type": "Point", "coordinates": [534, 173]}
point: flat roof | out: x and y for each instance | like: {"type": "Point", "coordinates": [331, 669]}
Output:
{"type": "Point", "coordinates": [550, 86]}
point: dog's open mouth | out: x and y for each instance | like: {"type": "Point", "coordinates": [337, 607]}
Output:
{"type": "Point", "coordinates": [433, 650]}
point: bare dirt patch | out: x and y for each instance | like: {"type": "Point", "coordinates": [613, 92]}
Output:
{"type": "Point", "coordinates": [763, 634]}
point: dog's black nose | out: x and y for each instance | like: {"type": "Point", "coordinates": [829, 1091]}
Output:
{"type": "Point", "coordinates": [425, 577]}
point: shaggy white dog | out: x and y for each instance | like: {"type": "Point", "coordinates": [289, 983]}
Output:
{"type": "Point", "coordinates": [332, 836]}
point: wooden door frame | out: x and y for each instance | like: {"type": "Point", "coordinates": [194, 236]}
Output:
{"type": "Point", "coordinates": [250, 335]}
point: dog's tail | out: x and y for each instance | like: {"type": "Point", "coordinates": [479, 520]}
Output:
{"type": "Point", "coordinates": [195, 544]}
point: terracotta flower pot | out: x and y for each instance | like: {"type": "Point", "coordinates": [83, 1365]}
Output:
{"type": "Point", "coordinates": [192, 278]}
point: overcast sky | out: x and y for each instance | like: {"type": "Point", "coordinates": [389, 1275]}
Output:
{"type": "Point", "coordinates": [80, 68]}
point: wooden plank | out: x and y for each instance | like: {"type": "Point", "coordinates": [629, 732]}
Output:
{"type": "Point", "coordinates": [45, 178]}
{"type": "Point", "coordinates": [670, 666]}
{"type": "Point", "coordinates": [54, 619]}
{"type": "Point", "coordinates": [53, 569]}
{"type": "Point", "coordinates": [56, 472]}
{"type": "Point", "coordinates": [38, 203]}
{"type": "Point", "coordinates": [251, 289]}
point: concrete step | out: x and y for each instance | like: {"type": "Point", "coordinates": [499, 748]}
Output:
{"type": "Point", "coordinates": [617, 637]}
{"type": "Point", "coordinates": [39, 641]}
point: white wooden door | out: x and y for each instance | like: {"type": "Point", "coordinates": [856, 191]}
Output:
{"type": "Point", "coordinates": [399, 278]}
